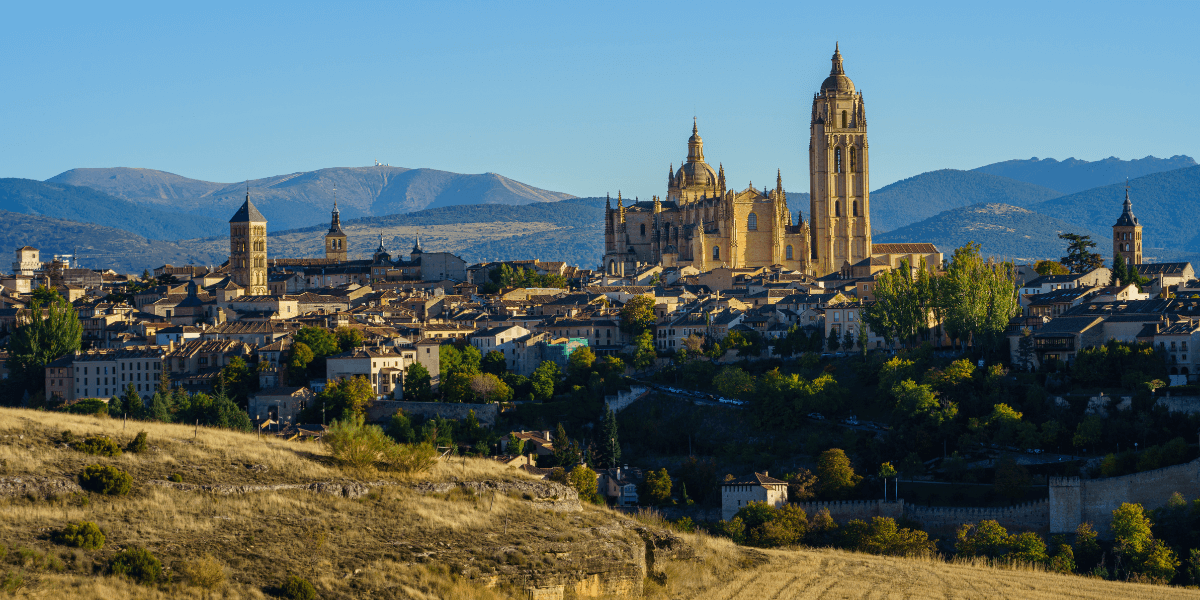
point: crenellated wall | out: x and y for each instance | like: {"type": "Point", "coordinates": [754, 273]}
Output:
{"type": "Point", "coordinates": [1074, 500]}
{"type": "Point", "coordinates": [936, 519]}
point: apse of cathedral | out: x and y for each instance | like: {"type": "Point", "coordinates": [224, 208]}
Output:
{"type": "Point", "coordinates": [703, 223]}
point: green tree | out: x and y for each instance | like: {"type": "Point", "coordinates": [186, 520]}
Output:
{"type": "Point", "coordinates": [834, 341]}
{"type": "Point", "coordinates": [980, 297]}
{"type": "Point", "coordinates": [583, 480]}
{"type": "Point", "coordinates": [1087, 434]}
{"type": "Point", "coordinates": [348, 338]}
{"type": "Point", "coordinates": [988, 538]}
{"type": "Point", "coordinates": [132, 403]}
{"type": "Point", "coordinates": [300, 357]}
{"type": "Point", "coordinates": [1050, 267]}
{"type": "Point", "coordinates": [645, 354]}
{"type": "Point", "coordinates": [321, 341]}
{"type": "Point", "coordinates": [52, 330]}
{"type": "Point", "coordinates": [1120, 274]}
{"type": "Point", "coordinates": [417, 386]}
{"type": "Point", "coordinates": [610, 443]}
{"type": "Point", "coordinates": [494, 363]}
{"type": "Point", "coordinates": [658, 487]}
{"type": "Point", "coordinates": [638, 314]}
{"type": "Point", "coordinates": [733, 382]}
{"type": "Point", "coordinates": [239, 380]}
{"type": "Point", "coordinates": [543, 380]}
{"type": "Point", "coordinates": [579, 363]}
{"type": "Point", "coordinates": [116, 408]}
{"type": "Point", "coordinates": [1080, 258]}
{"type": "Point", "coordinates": [160, 408]}
{"type": "Point", "coordinates": [835, 475]}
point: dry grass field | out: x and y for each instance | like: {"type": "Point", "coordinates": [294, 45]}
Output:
{"type": "Point", "coordinates": [396, 542]}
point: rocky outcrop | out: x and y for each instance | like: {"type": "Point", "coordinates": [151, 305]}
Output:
{"type": "Point", "coordinates": [37, 487]}
{"type": "Point", "coordinates": [345, 489]}
{"type": "Point", "coordinates": [547, 494]}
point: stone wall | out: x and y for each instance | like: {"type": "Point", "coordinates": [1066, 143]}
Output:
{"type": "Point", "coordinates": [626, 397]}
{"type": "Point", "coordinates": [946, 519]}
{"type": "Point", "coordinates": [1184, 404]}
{"type": "Point", "coordinates": [1075, 500]}
{"type": "Point", "coordinates": [845, 510]}
{"type": "Point", "coordinates": [383, 411]}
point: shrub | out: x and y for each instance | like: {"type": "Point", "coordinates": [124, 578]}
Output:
{"type": "Point", "coordinates": [138, 564]}
{"type": "Point", "coordinates": [103, 479]}
{"type": "Point", "coordinates": [355, 444]}
{"type": "Point", "coordinates": [205, 572]}
{"type": "Point", "coordinates": [88, 406]}
{"type": "Point", "coordinates": [67, 437]}
{"type": "Point", "coordinates": [176, 477]}
{"type": "Point", "coordinates": [98, 445]}
{"type": "Point", "coordinates": [138, 444]}
{"type": "Point", "coordinates": [410, 458]}
{"type": "Point", "coordinates": [298, 588]}
{"type": "Point", "coordinates": [85, 534]}
{"type": "Point", "coordinates": [11, 582]}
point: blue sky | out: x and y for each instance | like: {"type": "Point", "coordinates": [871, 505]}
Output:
{"type": "Point", "coordinates": [585, 98]}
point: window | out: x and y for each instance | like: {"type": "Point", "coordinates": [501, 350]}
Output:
{"type": "Point", "coordinates": [837, 208]}
{"type": "Point", "coordinates": [853, 159]}
{"type": "Point", "coordinates": [837, 160]}
{"type": "Point", "coordinates": [844, 120]}
{"type": "Point", "coordinates": [643, 230]}
{"type": "Point", "coordinates": [716, 253]}
{"type": "Point", "coordinates": [788, 252]}
{"type": "Point", "coordinates": [855, 208]}
{"type": "Point", "coordinates": [752, 222]}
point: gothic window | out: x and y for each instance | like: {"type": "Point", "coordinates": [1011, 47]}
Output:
{"type": "Point", "coordinates": [837, 160]}
{"type": "Point", "coordinates": [788, 252]}
{"type": "Point", "coordinates": [837, 208]}
{"type": "Point", "coordinates": [853, 159]}
{"type": "Point", "coordinates": [643, 230]}
{"type": "Point", "coordinates": [716, 253]}
{"type": "Point", "coordinates": [752, 222]}
{"type": "Point", "coordinates": [843, 119]}
{"type": "Point", "coordinates": [855, 213]}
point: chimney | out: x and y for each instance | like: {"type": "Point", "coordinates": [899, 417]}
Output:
{"type": "Point", "coordinates": [547, 436]}
{"type": "Point", "coordinates": [766, 473]}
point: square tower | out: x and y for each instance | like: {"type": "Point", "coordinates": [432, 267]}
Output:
{"type": "Point", "coordinates": [1127, 235]}
{"type": "Point", "coordinates": [335, 240]}
{"type": "Point", "coordinates": [248, 249]}
{"type": "Point", "coordinates": [840, 203]}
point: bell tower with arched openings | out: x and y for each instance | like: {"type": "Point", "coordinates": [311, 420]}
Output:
{"type": "Point", "coordinates": [1127, 235]}
{"type": "Point", "coordinates": [248, 249]}
{"type": "Point", "coordinates": [839, 186]}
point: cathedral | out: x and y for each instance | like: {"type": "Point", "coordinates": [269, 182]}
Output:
{"type": "Point", "coordinates": [704, 224]}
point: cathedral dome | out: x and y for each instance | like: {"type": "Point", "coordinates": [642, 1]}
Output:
{"type": "Point", "coordinates": [696, 173]}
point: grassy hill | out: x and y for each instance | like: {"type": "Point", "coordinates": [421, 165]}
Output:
{"type": "Point", "coordinates": [250, 512]}
{"type": "Point", "coordinates": [1074, 175]}
{"type": "Point", "coordinates": [87, 205]}
{"type": "Point", "coordinates": [1004, 231]}
{"type": "Point", "coordinates": [305, 199]}
{"type": "Point", "coordinates": [1166, 204]}
{"type": "Point", "coordinates": [917, 198]}
{"type": "Point", "coordinates": [98, 246]}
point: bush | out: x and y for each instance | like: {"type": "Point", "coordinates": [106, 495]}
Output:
{"type": "Point", "coordinates": [355, 444]}
{"type": "Point", "coordinates": [88, 406]}
{"type": "Point", "coordinates": [205, 572]}
{"type": "Point", "coordinates": [176, 477]}
{"type": "Point", "coordinates": [97, 445]}
{"type": "Point", "coordinates": [298, 588]}
{"type": "Point", "coordinates": [138, 444]}
{"type": "Point", "coordinates": [138, 564]}
{"type": "Point", "coordinates": [85, 534]}
{"type": "Point", "coordinates": [103, 479]}
{"type": "Point", "coordinates": [11, 582]}
{"type": "Point", "coordinates": [410, 458]}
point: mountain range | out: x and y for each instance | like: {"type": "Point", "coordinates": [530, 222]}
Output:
{"type": "Point", "coordinates": [116, 215]}
{"type": "Point", "coordinates": [304, 199]}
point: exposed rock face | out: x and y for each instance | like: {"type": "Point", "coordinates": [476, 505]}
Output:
{"type": "Point", "coordinates": [546, 494]}
{"type": "Point", "coordinates": [345, 489]}
{"type": "Point", "coordinates": [41, 487]}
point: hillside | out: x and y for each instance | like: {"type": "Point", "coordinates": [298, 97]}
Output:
{"type": "Point", "coordinates": [1004, 231]}
{"type": "Point", "coordinates": [87, 205]}
{"type": "Point", "coordinates": [1166, 204]}
{"type": "Point", "coordinates": [256, 510]}
{"type": "Point", "coordinates": [99, 247]}
{"type": "Point", "coordinates": [305, 199]}
{"type": "Point", "coordinates": [1074, 175]}
{"type": "Point", "coordinates": [916, 198]}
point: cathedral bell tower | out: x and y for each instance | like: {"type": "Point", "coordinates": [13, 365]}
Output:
{"type": "Point", "coordinates": [1127, 235]}
{"type": "Point", "coordinates": [248, 249]}
{"type": "Point", "coordinates": [335, 240]}
{"type": "Point", "coordinates": [840, 204]}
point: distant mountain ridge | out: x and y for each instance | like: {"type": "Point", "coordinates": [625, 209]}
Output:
{"type": "Point", "coordinates": [1074, 175]}
{"type": "Point", "coordinates": [87, 205]}
{"type": "Point", "coordinates": [923, 196]}
{"type": "Point", "coordinates": [1004, 231]}
{"type": "Point", "coordinates": [305, 199]}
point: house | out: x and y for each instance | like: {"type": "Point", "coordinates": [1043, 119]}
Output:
{"type": "Point", "coordinates": [384, 366]}
{"type": "Point", "coordinates": [280, 407]}
{"type": "Point", "coordinates": [759, 487]}
{"type": "Point", "coordinates": [619, 485]}
{"type": "Point", "coordinates": [540, 439]}
{"type": "Point", "coordinates": [1049, 283]}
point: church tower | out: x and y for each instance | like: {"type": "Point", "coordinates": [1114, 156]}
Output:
{"type": "Point", "coordinates": [335, 240]}
{"type": "Point", "coordinates": [248, 249]}
{"type": "Point", "coordinates": [840, 204]}
{"type": "Point", "coordinates": [1127, 235]}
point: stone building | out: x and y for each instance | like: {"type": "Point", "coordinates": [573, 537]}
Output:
{"type": "Point", "coordinates": [702, 223]}
{"type": "Point", "coordinates": [759, 487]}
{"type": "Point", "coordinates": [1127, 235]}
{"type": "Point", "coordinates": [248, 249]}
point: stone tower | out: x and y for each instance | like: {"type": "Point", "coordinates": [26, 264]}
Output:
{"type": "Point", "coordinates": [248, 249]}
{"type": "Point", "coordinates": [335, 240]}
{"type": "Point", "coordinates": [1127, 235]}
{"type": "Point", "coordinates": [840, 204]}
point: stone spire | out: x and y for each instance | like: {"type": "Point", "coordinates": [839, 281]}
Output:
{"type": "Point", "coordinates": [837, 69]}
{"type": "Point", "coordinates": [721, 176]}
{"type": "Point", "coordinates": [417, 245]}
{"type": "Point", "coordinates": [607, 202]}
{"type": "Point", "coordinates": [1127, 219]}
{"type": "Point", "coordinates": [695, 144]}
{"type": "Point", "coordinates": [779, 181]}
